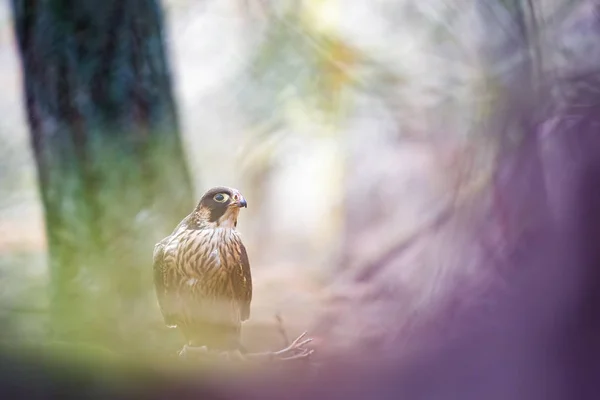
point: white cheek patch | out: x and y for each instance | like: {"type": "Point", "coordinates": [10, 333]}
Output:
{"type": "Point", "coordinates": [229, 218]}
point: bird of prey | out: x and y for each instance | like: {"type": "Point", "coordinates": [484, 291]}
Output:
{"type": "Point", "coordinates": [202, 274]}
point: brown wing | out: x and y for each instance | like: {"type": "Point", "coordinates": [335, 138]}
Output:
{"type": "Point", "coordinates": [164, 288]}
{"type": "Point", "coordinates": [242, 282]}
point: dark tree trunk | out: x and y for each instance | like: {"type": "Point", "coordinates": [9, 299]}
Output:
{"type": "Point", "coordinates": [110, 162]}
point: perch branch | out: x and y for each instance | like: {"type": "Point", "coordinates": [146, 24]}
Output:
{"type": "Point", "coordinates": [295, 351]}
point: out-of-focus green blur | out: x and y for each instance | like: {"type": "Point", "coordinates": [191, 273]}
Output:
{"type": "Point", "coordinates": [346, 124]}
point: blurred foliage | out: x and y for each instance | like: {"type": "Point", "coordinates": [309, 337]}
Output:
{"type": "Point", "coordinates": [299, 62]}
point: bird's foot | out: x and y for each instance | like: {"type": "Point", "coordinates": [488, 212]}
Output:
{"type": "Point", "coordinates": [187, 351]}
{"type": "Point", "coordinates": [203, 351]}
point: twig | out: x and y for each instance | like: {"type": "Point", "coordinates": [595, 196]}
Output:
{"type": "Point", "coordinates": [294, 351]}
{"type": "Point", "coordinates": [281, 329]}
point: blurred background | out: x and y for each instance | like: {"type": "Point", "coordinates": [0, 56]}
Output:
{"type": "Point", "coordinates": [355, 129]}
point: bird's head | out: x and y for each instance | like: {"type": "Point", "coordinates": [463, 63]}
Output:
{"type": "Point", "coordinates": [220, 206]}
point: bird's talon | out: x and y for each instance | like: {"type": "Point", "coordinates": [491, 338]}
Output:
{"type": "Point", "coordinates": [187, 350]}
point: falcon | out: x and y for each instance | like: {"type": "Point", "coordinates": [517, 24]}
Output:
{"type": "Point", "coordinates": [202, 274]}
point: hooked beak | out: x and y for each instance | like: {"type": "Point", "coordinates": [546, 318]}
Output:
{"type": "Point", "coordinates": [240, 201]}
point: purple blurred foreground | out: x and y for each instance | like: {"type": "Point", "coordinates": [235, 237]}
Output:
{"type": "Point", "coordinates": [537, 334]}
{"type": "Point", "coordinates": [534, 335]}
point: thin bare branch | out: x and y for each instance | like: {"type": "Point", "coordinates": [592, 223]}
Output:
{"type": "Point", "coordinates": [297, 350]}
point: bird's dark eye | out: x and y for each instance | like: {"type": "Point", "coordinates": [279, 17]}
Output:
{"type": "Point", "coordinates": [220, 198]}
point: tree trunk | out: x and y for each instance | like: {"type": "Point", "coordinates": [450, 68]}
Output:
{"type": "Point", "coordinates": [111, 168]}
